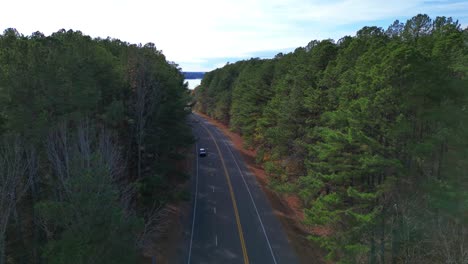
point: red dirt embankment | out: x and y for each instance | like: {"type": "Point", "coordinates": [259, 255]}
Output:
{"type": "Point", "coordinates": [288, 208]}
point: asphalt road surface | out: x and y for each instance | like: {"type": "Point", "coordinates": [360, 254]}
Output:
{"type": "Point", "coordinates": [232, 220]}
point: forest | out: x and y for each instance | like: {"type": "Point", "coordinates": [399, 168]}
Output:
{"type": "Point", "coordinates": [91, 134]}
{"type": "Point", "coordinates": [369, 131]}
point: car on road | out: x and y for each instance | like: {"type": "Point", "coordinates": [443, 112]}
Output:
{"type": "Point", "coordinates": [202, 152]}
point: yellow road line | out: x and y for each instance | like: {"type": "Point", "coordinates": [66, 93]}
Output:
{"type": "Point", "coordinates": [234, 204]}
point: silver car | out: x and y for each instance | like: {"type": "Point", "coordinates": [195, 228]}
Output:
{"type": "Point", "coordinates": [202, 152]}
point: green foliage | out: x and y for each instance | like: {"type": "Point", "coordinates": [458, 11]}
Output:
{"type": "Point", "coordinates": [370, 133]}
{"type": "Point", "coordinates": [95, 227]}
{"type": "Point", "coordinates": [70, 80]}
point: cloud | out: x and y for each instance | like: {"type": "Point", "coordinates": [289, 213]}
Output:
{"type": "Point", "coordinates": [197, 34]}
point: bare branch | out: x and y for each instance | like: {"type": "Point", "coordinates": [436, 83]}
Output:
{"type": "Point", "coordinates": [156, 224]}
{"type": "Point", "coordinates": [14, 182]}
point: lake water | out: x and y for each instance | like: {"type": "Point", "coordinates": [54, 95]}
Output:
{"type": "Point", "coordinates": [192, 83]}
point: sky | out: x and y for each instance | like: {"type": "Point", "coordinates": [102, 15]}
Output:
{"type": "Point", "coordinates": [206, 34]}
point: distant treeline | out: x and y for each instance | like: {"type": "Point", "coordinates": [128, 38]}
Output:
{"type": "Point", "coordinates": [193, 75]}
{"type": "Point", "coordinates": [369, 131]}
{"type": "Point", "coordinates": [91, 135]}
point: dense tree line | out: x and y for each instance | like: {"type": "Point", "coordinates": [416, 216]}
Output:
{"type": "Point", "coordinates": [369, 131]}
{"type": "Point", "coordinates": [91, 131]}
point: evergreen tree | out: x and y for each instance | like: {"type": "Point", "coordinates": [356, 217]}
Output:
{"type": "Point", "coordinates": [367, 131]}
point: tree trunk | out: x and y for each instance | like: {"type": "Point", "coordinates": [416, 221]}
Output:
{"type": "Point", "coordinates": [2, 249]}
{"type": "Point", "coordinates": [382, 239]}
{"type": "Point", "coordinates": [394, 244]}
{"type": "Point", "coordinates": [372, 258]}
{"type": "Point", "coordinates": [139, 161]}
{"type": "Point", "coordinates": [35, 231]}
{"type": "Point", "coordinates": [20, 235]}
{"type": "Point", "coordinates": [34, 188]}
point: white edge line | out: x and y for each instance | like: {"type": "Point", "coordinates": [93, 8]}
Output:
{"type": "Point", "coordinates": [194, 207]}
{"type": "Point", "coordinates": [253, 202]}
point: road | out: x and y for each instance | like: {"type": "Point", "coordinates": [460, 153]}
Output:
{"type": "Point", "coordinates": [232, 220]}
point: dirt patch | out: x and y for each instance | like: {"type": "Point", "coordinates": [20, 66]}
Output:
{"type": "Point", "coordinates": [288, 208]}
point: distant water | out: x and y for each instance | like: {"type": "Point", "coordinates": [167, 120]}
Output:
{"type": "Point", "coordinates": [192, 83]}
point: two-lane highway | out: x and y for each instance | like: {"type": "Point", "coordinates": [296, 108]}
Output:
{"type": "Point", "coordinates": [232, 220]}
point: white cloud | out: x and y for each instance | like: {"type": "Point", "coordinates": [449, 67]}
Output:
{"type": "Point", "coordinates": [192, 32]}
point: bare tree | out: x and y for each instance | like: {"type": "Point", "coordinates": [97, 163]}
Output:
{"type": "Point", "coordinates": [58, 152]}
{"type": "Point", "coordinates": [72, 153]}
{"type": "Point", "coordinates": [110, 155]}
{"type": "Point", "coordinates": [146, 92]}
{"type": "Point", "coordinates": [449, 240]}
{"type": "Point", "coordinates": [156, 222]}
{"type": "Point", "coordinates": [14, 182]}
{"type": "Point", "coordinates": [111, 158]}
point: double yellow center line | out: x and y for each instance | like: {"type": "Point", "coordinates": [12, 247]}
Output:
{"type": "Point", "coordinates": [233, 199]}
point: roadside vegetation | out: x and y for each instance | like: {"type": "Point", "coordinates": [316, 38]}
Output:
{"type": "Point", "coordinates": [369, 131]}
{"type": "Point", "coordinates": [91, 131]}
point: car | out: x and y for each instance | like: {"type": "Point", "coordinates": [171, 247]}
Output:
{"type": "Point", "coordinates": [202, 152]}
